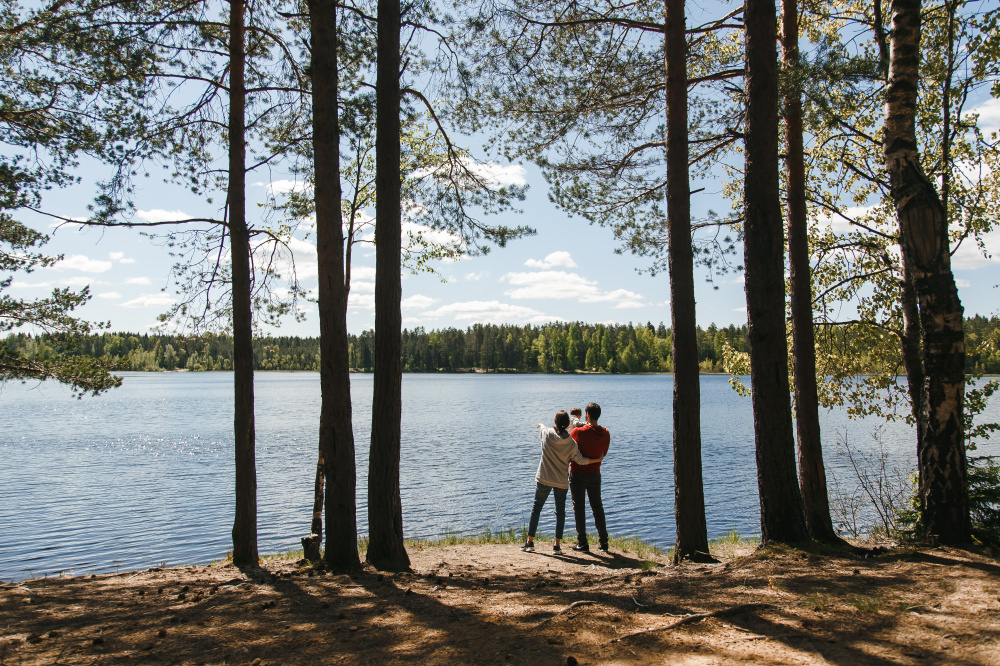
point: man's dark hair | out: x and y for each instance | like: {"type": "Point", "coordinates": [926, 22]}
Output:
{"type": "Point", "coordinates": [562, 419]}
{"type": "Point", "coordinates": [594, 411]}
{"type": "Point", "coordinates": [576, 411]}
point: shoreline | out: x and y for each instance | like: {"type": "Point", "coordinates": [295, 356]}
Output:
{"type": "Point", "coordinates": [489, 603]}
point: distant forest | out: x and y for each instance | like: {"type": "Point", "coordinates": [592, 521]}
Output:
{"type": "Point", "coordinates": [551, 348]}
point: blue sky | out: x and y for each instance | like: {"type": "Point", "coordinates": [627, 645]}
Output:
{"type": "Point", "coordinates": [567, 272]}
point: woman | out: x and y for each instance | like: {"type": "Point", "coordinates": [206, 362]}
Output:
{"type": "Point", "coordinates": [558, 448]}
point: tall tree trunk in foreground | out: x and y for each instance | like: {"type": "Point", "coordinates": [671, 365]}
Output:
{"type": "Point", "coordinates": [923, 230]}
{"type": "Point", "coordinates": [336, 431]}
{"type": "Point", "coordinates": [781, 515]}
{"type": "Point", "coordinates": [245, 523]}
{"type": "Point", "coordinates": [689, 495]}
{"type": "Point", "coordinates": [812, 472]}
{"type": "Point", "coordinates": [385, 512]}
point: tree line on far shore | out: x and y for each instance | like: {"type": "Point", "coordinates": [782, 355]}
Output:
{"type": "Point", "coordinates": [549, 348]}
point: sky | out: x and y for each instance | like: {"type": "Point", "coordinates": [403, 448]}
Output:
{"type": "Point", "coordinates": [568, 271]}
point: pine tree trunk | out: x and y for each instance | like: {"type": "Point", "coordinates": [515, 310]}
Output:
{"type": "Point", "coordinates": [812, 471]}
{"type": "Point", "coordinates": [923, 228]}
{"type": "Point", "coordinates": [781, 512]}
{"type": "Point", "coordinates": [245, 522]}
{"type": "Point", "coordinates": [689, 494]}
{"type": "Point", "coordinates": [385, 512]}
{"type": "Point", "coordinates": [336, 430]}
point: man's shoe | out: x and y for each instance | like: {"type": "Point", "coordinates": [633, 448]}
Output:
{"type": "Point", "coordinates": [582, 548]}
{"type": "Point", "coordinates": [556, 548]}
{"type": "Point", "coordinates": [528, 547]}
{"type": "Point", "coordinates": [604, 549]}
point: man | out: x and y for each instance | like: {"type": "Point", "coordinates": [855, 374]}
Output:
{"type": "Point", "coordinates": [593, 442]}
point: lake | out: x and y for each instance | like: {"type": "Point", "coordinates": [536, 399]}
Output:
{"type": "Point", "coordinates": [143, 474]}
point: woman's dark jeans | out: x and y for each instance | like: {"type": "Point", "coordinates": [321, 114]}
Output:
{"type": "Point", "coordinates": [588, 484]}
{"type": "Point", "coordinates": [542, 494]}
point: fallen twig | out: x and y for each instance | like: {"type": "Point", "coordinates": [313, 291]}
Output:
{"type": "Point", "coordinates": [697, 617]}
{"type": "Point", "coordinates": [575, 604]}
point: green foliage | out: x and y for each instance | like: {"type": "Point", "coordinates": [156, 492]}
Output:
{"type": "Point", "coordinates": [854, 235]}
{"type": "Point", "coordinates": [70, 76]}
{"type": "Point", "coordinates": [578, 88]}
{"type": "Point", "coordinates": [984, 498]}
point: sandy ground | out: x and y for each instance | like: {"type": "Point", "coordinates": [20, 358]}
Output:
{"type": "Point", "coordinates": [494, 604]}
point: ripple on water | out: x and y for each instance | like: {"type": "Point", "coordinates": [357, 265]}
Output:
{"type": "Point", "coordinates": [144, 474]}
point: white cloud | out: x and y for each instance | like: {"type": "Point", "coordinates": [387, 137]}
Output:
{"type": "Point", "coordinates": [839, 225]}
{"type": "Point", "coordinates": [362, 273]}
{"type": "Point", "coordinates": [362, 286]}
{"type": "Point", "coordinates": [549, 284]}
{"type": "Point", "coordinates": [137, 280]}
{"type": "Point", "coordinates": [304, 253]}
{"type": "Point", "coordinates": [109, 294]}
{"type": "Point", "coordinates": [60, 224]}
{"type": "Point", "coordinates": [473, 276]}
{"type": "Point", "coordinates": [487, 311]}
{"type": "Point", "coordinates": [418, 302]}
{"type": "Point", "coordinates": [623, 297]}
{"type": "Point", "coordinates": [83, 264]}
{"type": "Point", "coordinates": [962, 284]}
{"type": "Point", "coordinates": [500, 175]}
{"type": "Point", "coordinates": [75, 281]}
{"type": "Point", "coordinates": [969, 255]}
{"type": "Point", "coordinates": [361, 301]}
{"type": "Point", "coordinates": [564, 285]}
{"type": "Point", "coordinates": [161, 215]}
{"type": "Point", "coordinates": [283, 186]}
{"type": "Point", "coordinates": [150, 300]}
{"type": "Point", "coordinates": [412, 230]}
{"type": "Point", "coordinates": [989, 115]}
{"type": "Point", "coordinates": [557, 258]}
{"type": "Point", "coordinates": [120, 258]}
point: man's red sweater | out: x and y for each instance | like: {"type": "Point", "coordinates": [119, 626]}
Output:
{"type": "Point", "coordinates": [593, 442]}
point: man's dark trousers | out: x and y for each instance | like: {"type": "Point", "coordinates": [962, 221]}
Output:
{"type": "Point", "coordinates": [589, 484]}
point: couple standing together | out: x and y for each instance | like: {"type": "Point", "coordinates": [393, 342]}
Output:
{"type": "Point", "coordinates": [580, 447]}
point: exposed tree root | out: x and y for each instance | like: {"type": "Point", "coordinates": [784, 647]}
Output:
{"type": "Point", "coordinates": [575, 604]}
{"type": "Point", "coordinates": [697, 617]}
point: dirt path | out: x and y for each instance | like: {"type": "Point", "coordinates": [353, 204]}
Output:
{"type": "Point", "coordinates": [494, 604]}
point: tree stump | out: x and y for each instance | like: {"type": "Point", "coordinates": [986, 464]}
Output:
{"type": "Point", "coordinates": [310, 547]}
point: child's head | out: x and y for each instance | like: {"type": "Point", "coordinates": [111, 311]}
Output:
{"type": "Point", "coordinates": [576, 411]}
{"type": "Point", "coordinates": [562, 419]}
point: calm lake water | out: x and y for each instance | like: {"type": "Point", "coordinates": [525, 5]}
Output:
{"type": "Point", "coordinates": [143, 474]}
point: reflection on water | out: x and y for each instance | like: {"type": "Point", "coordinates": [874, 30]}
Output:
{"type": "Point", "coordinates": [143, 474]}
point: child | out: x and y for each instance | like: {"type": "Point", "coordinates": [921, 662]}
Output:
{"type": "Point", "coordinates": [558, 448]}
{"type": "Point", "coordinates": [576, 418]}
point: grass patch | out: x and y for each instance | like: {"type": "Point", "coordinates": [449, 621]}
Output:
{"type": "Point", "coordinates": [866, 603]}
{"type": "Point", "coordinates": [643, 550]}
{"type": "Point", "coordinates": [482, 537]}
{"type": "Point", "coordinates": [290, 554]}
{"type": "Point", "coordinates": [731, 545]}
{"type": "Point", "coordinates": [818, 602]}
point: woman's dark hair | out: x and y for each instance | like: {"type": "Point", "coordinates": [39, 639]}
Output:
{"type": "Point", "coordinates": [562, 419]}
